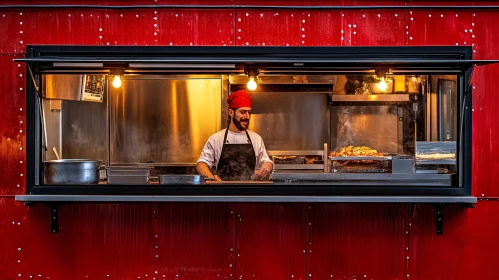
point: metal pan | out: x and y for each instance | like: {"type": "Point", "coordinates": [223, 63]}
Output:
{"type": "Point", "coordinates": [71, 172]}
{"type": "Point", "coordinates": [181, 180]}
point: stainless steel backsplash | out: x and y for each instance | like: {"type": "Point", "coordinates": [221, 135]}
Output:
{"type": "Point", "coordinates": [163, 120]}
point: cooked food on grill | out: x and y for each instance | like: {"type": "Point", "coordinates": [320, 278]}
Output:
{"type": "Point", "coordinates": [284, 157]}
{"type": "Point", "coordinates": [355, 151]}
{"type": "Point", "coordinates": [313, 160]}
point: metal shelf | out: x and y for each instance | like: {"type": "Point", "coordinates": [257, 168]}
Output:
{"type": "Point", "coordinates": [245, 198]}
{"type": "Point", "coordinates": [371, 98]}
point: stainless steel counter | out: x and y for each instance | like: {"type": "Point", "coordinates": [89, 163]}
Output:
{"type": "Point", "coordinates": [246, 198]}
{"type": "Point", "coordinates": [365, 179]}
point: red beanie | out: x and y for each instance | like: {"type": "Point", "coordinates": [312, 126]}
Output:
{"type": "Point", "coordinates": [239, 99]}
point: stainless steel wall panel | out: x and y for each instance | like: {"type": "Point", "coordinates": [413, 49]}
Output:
{"type": "Point", "coordinates": [291, 120]}
{"type": "Point", "coordinates": [84, 130]}
{"type": "Point", "coordinates": [372, 126]}
{"type": "Point", "coordinates": [160, 120]}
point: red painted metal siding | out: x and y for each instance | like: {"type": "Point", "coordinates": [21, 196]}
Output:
{"type": "Point", "coordinates": [357, 241]}
{"type": "Point", "coordinates": [247, 241]}
{"type": "Point", "coordinates": [12, 118]}
{"type": "Point", "coordinates": [271, 241]}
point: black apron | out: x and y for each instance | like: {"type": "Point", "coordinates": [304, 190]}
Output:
{"type": "Point", "coordinates": [237, 161]}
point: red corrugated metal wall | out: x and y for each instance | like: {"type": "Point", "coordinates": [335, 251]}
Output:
{"type": "Point", "coordinates": [248, 241]}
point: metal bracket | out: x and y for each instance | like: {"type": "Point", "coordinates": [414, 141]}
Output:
{"type": "Point", "coordinates": [439, 218]}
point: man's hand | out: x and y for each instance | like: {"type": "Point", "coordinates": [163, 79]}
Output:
{"type": "Point", "coordinates": [264, 172]}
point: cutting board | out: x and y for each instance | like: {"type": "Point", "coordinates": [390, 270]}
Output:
{"type": "Point", "coordinates": [239, 182]}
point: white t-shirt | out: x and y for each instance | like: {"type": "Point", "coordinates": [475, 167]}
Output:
{"type": "Point", "coordinates": [213, 148]}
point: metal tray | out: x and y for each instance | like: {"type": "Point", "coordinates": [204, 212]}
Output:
{"type": "Point", "coordinates": [361, 158]}
{"type": "Point", "coordinates": [361, 165]}
{"type": "Point", "coordinates": [295, 160]}
{"type": "Point", "coordinates": [181, 180]}
{"type": "Point", "coordinates": [128, 180]}
{"type": "Point", "coordinates": [450, 161]}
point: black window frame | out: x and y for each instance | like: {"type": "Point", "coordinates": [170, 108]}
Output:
{"type": "Point", "coordinates": [438, 59]}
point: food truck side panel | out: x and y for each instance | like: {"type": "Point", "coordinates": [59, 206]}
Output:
{"type": "Point", "coordinates": [226, 241]}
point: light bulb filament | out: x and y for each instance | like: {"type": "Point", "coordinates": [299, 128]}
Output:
{"type": "Point", "coordinates": [117, 81]}
{"type": "Point", "coordinates": [382, 85]}
{"type": "Point", "coordinates": [251, 83]}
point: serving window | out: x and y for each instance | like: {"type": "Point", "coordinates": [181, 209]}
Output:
{"type": "Point", "coordinates": [335, 121]}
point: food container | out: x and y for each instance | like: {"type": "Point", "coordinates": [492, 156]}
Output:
{"type": "Point", "coordinates": [71, 172]}
{"type": "Point", "coordinates": [288, 159]}
{"type": "Point", "coordinates": [359, 164]}
{"type": "Point", "coordinates": [403, 165]}
{"type": "Point", "coordinates": [127, 175]}
{"type": "Point", "coordinates": [172, 179]}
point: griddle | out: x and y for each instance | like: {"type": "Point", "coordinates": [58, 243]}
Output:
{"type": "Point", "coordinates": [239, 182]}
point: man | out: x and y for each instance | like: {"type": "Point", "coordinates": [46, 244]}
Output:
{"type": "Point", "coordinates": [236, 151]}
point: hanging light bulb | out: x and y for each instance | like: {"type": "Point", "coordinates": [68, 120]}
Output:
{"type": "Point", "coordinates": [117, 81]}
{"type": "Point", "coordinates": [251, 83]}
{"type": "Point", "coordinates": [382, 85]}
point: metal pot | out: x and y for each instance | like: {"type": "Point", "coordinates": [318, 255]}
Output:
{"type": "Point", "coordinates": [71, 172]}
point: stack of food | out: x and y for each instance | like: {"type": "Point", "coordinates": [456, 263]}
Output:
{"type": "Point", "coordinates": [352, 151]}
{"type": "Point", "coordinates": [437, 156]}
{"type": "Point", "coordinates": [355, 160]}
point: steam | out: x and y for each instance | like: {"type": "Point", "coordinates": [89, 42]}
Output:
{"type": "Point", "coordinates": [375, 127]}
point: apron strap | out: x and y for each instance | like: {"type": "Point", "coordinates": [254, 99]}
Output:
{"type": "Point", "coordinates": [249, 139]}
{"type": "Point", "coordinates": [227, 131]}
{"type": "Point", "coordinates": [225, 137]}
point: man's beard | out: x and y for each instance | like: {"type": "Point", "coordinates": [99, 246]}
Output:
{"type": "Point", "coordinates": [241, 126]}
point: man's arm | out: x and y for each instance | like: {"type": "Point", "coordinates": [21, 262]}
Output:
{"type": "Point", "coordinates": [207, 158]}
{"type": "Point", "coordinates": [203, 169]}
{"type": "Point", "coordinates": [265, 161]}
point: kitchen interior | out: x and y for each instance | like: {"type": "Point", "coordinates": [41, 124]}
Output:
{"type": "Point", "coordinates": [360, 128]}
